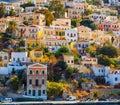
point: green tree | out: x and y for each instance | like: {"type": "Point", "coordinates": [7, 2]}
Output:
{"type": "Point", "coordinates": [29, 4]}
{"type": "Point", "coordinates": [111, 94]}
{"type": "Point", "coordinates": [88, 12]}
{"type": "Point", "coordinates": [12, 12]}
{"type": "Point", "coordinates": [84, 80]}
{"type": "Point", "coordinates": [2, 10]}
{"type": "Point", "coordinates": [69, 72]}
{"type": "Point", "coordinates": [48, 16]}
{"type": "Point", "coordinates": [55, 89]}
{"type": "Point", "coordinates": [14, 82]}
{"type": "Point", "coordinates": [105, 60]}
{"type": "Point", "coordinates": [62, 50]}
{"type": "Point", "coordinates": [108, 50]}
{"type": "Point", "coordinates": [57, 8]}
{"type": "Point", "coordinates": [88, 23]}
{"type": "Point", "coordinates": [74, 22]}
{"type": "Point", "coordinates": [61, 64]}
{"type": "Point", "coordinates": [95, 94]}
{"type": "Point", "coordinates": [12, 28]}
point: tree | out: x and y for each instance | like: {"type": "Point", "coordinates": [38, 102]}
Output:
{"type": "Point", "coordinates": [88, 23]}
{"type": "Point", "coordinates": [57, 8]}
{"type": "Point", "coordinates": [74, 22]}
{"type": "Point", "coordinates": [48, 16]}
{"type": "Point", "coordinates": [108, 50]}
{"type": "Point", "coordinates": [61, 64]}
{"type": "Point", "coordinates": [105, 60]}
{"type": "Point", "coordinates": [88, 12]}
{"type": "Point", "coordinates": [95, 94]}
{"type": "Point", "coordinates": [62, 50]}
{"type": "Point", "coordinates": [70, 71]}
{"type": "Point", "coordinates": [29, 4]}
{"type": "Point", "coordinates": [12, 28]}
{"type": "Point", "coordinates": [12, 12]}
{"type": "Point", "coordinates": [55, 89]}
{"type": "Point", "coordinates": [14, 82]}
{"type": "Point", "coordinates": [2, 10]}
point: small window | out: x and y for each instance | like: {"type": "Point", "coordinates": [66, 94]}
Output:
{"type": "Point", "coordinates": [30, 81]}
{"type": "Point", "coordinates": [43, 91]}
{"type": "Point", "coordinates": [37, 72]}
{"type": "Point", "coordinates": [29, 92]}
{"type": "Point", "coordinates": [36, 82]}
{"type": "Point", "coordinates": [30, 71]}
{"type": "Point", "coordinates": [116, 79]}
{"type": "Point", "coordinates": [43, 72]}
{"type": "Point", "coordinates": [39, 92]}
{"type": "Point", "coordinates": [43, 81]}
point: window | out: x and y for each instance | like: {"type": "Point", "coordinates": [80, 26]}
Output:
{"type": "Point", "coordinates": [116, 79]}
{"type": "Point", "coordinates": [43, 72]}
{"type": "Point", "coordinates": [22, 59]}
{"type": "Point", "coordinates": [36, 82]}
{"type": "Point", "coordinates": [39, 92]}
{"type": "Point", "coordinates": [30, 71]}
{"type": "Point", "coordinates": [43, 81]}
{"type": "Point", "coordinates": [43, 91]}
{"type": "Point", "coordinates": [29, 92]}
{"type": "Point", "coordinates": [5, 57]}
{"type": "Point", "coordinates": [37, 72]}
{"type": "Point", "coordinates": [99, 70]}
{"type": "Point", "coordinates": [30, 81]}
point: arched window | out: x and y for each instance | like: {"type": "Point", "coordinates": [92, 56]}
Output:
{"type": "Point", "coordinates": [31, 72]}
{"type": "Point", "coordinates": [37, 72]}
{"type": "Point", "coordinates": [43, 72]}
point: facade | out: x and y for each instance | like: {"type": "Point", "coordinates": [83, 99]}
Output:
{"type": "Point", "coordinates": [30, 31]}
{"type": "Point", "coordinates": [89, 61]}
{"type": "Point", "coordinates": [19, 57]}
{"type": "Point", "coordinates": [4, 59]}
{"type": "Point", "coordinates": [33, 18]}
{"type": "Point", "coordinates": [109, 26]}
{"type": "Point", "coordinates": [113, 77]}
{"type": "Point", "coordinates": [71, 35]}
{"type": "Point", "coordinates": [53, 43]}
{"type": "Point", "coordinates": [69, 59]}
{"type": "Point", "coordinates": [84, 33]}
{"type": "Point", "coordinates": [36, 55]}
{"type": "Point", "coordinates": [76, 11]}
{"type": "Point", "coordinates": [36, 81]}
{"type": "Point", "coordinates": [100, 70]}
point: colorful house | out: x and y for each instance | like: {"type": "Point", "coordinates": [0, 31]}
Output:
{"type": "Point", "coordinates": [37, 81]}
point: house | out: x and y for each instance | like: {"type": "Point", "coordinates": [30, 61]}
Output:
{"type": "Point", "coordinates": [48, 31]}
{"type": "Point", "coordinates": [84, 33]}
{"type": "Point", "coordinates": [100, 37]}
{"type": "Point", "coordinates": [69, 59]}
{"type": "Point", "coordinates": [97, 18]}
{"type": "Point", "coordinates": [53, 43]}
{"type": "Point", "coordinates": [109, 26]}
{"type": "Point", "coordinates": [100, 70]}
{"type": "Point", "coordinates": [113, 77]}
{"type": "Point", "coordinates": [89, 61]}
{"type": "Point", "coordinates": [19, 57]}
{"type": "Point", "coordinates": [36, 55]}
{"type": "Point", "coordinates": [71, 35]}
{"type": "Point", "coordinates": [33, 18]}
{"type": "Point", "coordinates": [37, 81]}
{"type": "Point", "coordinates": [30, 31]}
{"type": "Point", "coordinates": [4, 59]}
{"type": "Point", "coordinates": [82, 46]}
{"type": "Point", "coordinates": [76, 11]}
{"type": "Point", "coordinates": [89, 84]}
{"type": "Point", "coordinates": [61, 23]}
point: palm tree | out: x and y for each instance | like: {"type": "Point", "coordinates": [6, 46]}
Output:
{"type": "Point", "coordinates": [12, 28]}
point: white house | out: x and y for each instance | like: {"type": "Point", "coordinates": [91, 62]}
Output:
{"type": "Point", "coordinates": [71, 35]}
{"type": "Point", "coordinates": [100, 70]}
{"type": "Point", "coordinates": [19, 57]}
{"type": "Point", "coordinates": [113, 77]}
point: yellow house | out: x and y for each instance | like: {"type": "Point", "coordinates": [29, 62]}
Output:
{"type": "Point", "coordinates": [4, 58]}
{"type": "Point", "coordinates": [36, 55]}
